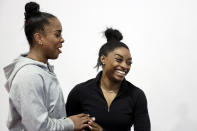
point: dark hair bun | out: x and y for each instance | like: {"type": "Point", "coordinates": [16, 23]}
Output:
{"type": "Point", "coordinates": [113, 35]}
{"type": "Point", "coordinates": [31, 9]}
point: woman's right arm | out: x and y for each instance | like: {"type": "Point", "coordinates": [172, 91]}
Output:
{"type": "Point", "coordinates": [28, 95]}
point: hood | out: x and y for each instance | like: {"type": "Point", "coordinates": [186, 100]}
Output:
{"type": "Point", "coordinates": [12, 69]}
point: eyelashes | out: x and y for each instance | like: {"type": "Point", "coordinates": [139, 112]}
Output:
{"type": "Point", "coordinates": [119, 60]}
{"type": "Point", "coordinates": [129, 63]}
{"type": "Point", "coordinates": [57, 35]}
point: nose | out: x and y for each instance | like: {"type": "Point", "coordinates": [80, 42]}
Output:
{"type": "Point", "coordinates": [62, 40]}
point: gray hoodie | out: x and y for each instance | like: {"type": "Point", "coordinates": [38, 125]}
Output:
{"type": "Point", "coordinates": [36, 100]}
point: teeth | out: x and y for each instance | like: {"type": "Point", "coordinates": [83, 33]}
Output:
{"type": "Point", "coordinates": [121, 72]}
{"type": "Point", "coordinates": [59, 50]}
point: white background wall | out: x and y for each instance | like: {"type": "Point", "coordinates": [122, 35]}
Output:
{"type": "Point", "coordinates": [161, 34]}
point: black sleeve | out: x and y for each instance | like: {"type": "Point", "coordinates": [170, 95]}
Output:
{"type": "Point", "coordinates": [141, 116]}
{"type": "Point", "coordinates": [73, 104]}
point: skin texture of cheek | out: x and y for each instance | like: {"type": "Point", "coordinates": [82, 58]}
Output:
{"type": "Point", "coordinates": [112, 75]}
{"type": "Point", "coordinates": [51, 52]}
{"type": "Point", "coordinates": [115, 72]}
{"type": "Point", "coordinates": [52, 40]}
{"type": "Point", "coordinates": [54, 53]}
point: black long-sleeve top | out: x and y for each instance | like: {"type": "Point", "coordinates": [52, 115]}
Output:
{"type": "Point", "coordinates": [128, 107]}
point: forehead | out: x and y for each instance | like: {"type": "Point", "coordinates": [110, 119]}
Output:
{"type": "Point", "coordinates": [122, 51]}
{"type": "Point", "coordinates": [54, 25]}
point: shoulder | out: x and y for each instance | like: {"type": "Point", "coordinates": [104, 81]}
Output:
{"type": "Point", "coordinates": [28, 73]}
{"type": "Point", "coordinates": [26, 84]}
{"type": "Point", "coordinates": [134, 91]}
{"type": "Point", "coordinates": [31, 69]}
{"type": "Point", "coordinates": [28, 76]}
{"type": "Point", "coordinates": [132, 88]}
{"type": "Point", "coordinates": [83, 87]}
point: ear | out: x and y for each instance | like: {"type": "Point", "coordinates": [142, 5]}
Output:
{"type": "Point", "coordinates": [103, 59]}
{"type": "Point", "coordinates": [38, 38]}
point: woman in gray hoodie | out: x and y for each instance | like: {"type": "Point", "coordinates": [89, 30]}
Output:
{"type": "Point", "coordinates": [36, 100]}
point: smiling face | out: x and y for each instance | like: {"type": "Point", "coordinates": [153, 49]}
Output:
{"type": "Point", "coordinates": [52, 39]}
{"type": "Point", "coordinates": [116, 64]}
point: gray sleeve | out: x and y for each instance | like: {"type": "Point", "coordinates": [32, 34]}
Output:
{"type": "Point", "coordinates": [27, 95]}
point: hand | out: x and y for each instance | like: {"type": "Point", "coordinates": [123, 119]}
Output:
{"type": "Point", "coordinates": [93, 126]}
{"type": "Point", "coordinates": [80, 121]}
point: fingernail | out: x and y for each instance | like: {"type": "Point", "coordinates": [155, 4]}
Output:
{"type": "Point", "coordinates": [90, 127]}
{"type": "Point", "coordinates": [93, 118]}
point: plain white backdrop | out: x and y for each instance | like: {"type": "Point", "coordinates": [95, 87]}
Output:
{"type": "Point", "coordinates": [161, 35]}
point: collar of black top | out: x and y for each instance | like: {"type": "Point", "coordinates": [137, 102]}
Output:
{"type": "Point", "coordinates": [123, 86]}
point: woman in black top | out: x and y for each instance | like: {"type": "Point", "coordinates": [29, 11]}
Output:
{"type": "Point", "coordinates": [110, 98]}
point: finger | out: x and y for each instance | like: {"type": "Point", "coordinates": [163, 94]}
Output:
{"type": "Point", "coordinates": [85, 120]}
{"type": "Point", "coordinates": [93, 118]}
{"type": "Point", "coordinates": [93, 124]}
{"type": "Point", "coordinates": [93, 128]}
{"type": "Point", "coordinates": [82, 115]}
{"type": "Point", "coordinates": [85, 117]}
{"type": "Point", "coordinates": [90, 127]}
{"type": "Point", "coordinates": [83, 126]}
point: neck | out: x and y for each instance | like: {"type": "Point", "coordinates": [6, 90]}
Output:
{"type": "Point", "coordinates": [37, 55]}
{"type": "Point", "coordinates": [108, 84]}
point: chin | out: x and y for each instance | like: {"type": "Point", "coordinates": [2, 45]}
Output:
{"type": "Point", "coordinates": [118, 79]}
{"type": "Point", "coordinates": [54, 57]}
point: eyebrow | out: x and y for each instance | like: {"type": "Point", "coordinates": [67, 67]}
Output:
{"type": "Point", "coordinates": [122, 56]}
{"type": "Point", "coordinates": [119, 55]}
{"type": "Point", "coordinates": [59, 31]}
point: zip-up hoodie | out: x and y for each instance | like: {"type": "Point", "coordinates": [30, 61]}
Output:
{"type": "Point", "coordinates": [36, 101]}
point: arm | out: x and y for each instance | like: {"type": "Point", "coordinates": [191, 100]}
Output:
{"type": "Point", "coordinates": [28, 96]}
{"type": "Point", "coordinates": [73, 104]}
{"type": "Point", "coordinates": [73, 107]}
{"type": "Point", "coordinates": [141, 116]}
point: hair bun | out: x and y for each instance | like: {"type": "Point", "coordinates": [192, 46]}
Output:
{"type": "Point", "coordinates": [113, 35]}
{"type": "Point", "coordinates": [31, 9]}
